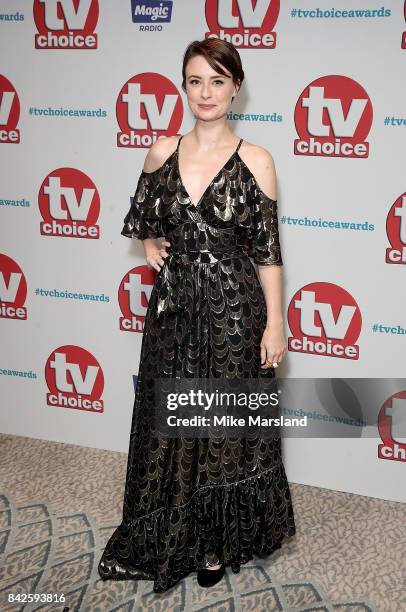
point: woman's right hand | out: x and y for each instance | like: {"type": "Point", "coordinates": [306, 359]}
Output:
{"type": "Point", "coordinates": [156, 255]}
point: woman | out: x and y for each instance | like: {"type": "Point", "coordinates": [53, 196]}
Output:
{"type": "Point", "coordinates": [201, 504]}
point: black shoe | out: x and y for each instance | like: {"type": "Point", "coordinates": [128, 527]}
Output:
{"type": "Point", "coordinates": [208, 577]}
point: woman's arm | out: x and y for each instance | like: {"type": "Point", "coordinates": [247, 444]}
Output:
{"type": "Point", "coordinates": [271, 278]}
{"type": "Point", "coordinates": [155, 158]}
{"type": "Point", "coordinates": [273, 344]}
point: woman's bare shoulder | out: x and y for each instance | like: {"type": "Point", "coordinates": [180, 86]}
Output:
{"type": "Point", "coordinates": [255, 154]}
{"type": "Point", "coordinates": [260, 162]}
{"type": "Point", "coordinates": [159, 152]}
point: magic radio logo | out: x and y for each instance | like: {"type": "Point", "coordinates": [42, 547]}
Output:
{"type": "Point", "coordinates": [66, 24]}
{"type": "Point", "coordinates": [149, 106]}
{"type": "Point", "coordinates": [69, 204]}
{"type": "Point", "coordinates": [13, 289]}
{"type": "Point", "coordinates": [151, 14]}
{"type": "Point", "coordinates": [333, 117]}
{"type": "Point", "coordinates": [246, 24]}
{"type": "Point", "coordinates": [324, 320]}
{"type": "Point", "coordinates": [9, 112]}
{"type": "Point", "coordinates": [133, 297]}
{"type": "Point", "coordinates": [391, 418]}
{"type": "Point", "coordinates": [75, 379]}
{"type": "Point", "coordinates": [396, 232]}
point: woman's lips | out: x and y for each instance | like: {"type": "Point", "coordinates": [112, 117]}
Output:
{"type": "Point", "coordinates": [206, 105]}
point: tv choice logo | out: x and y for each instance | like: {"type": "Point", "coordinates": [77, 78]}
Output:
{"type": "Point", "coordinates": [75, 379]}
{"type": "Point", "coordinates": [245, 24]}
{"type": "Point", "coordinates": [149, 106]}
{"type": "Point", "coordinates": [13, 289]}
{"type": "Point", "coordinates": [66, 24]}
{"type": "Point", "coordinates": [151, 12]}
{"type": "Point", "coordinates": [396, 232]}
{"type": "Point", "coordinates": [324, 320]}
{"type": "Point", "coordinates": [333, 117]}
{"type": "Point", "coordinates": [69, 204]}
{"type": "Point", "coordinates": [133, 297]}
{"type": "Point", "coordinates": [392, 411]}
{"type": "Point", "coordinates": [9, 112]}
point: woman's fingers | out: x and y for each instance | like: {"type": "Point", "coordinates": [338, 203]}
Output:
{"type": "Point", "coordinates": [155, 262]}
{"type": "Point", "coordinates": [278, 356]}
{"type": "Point", "coordinates": [272, 356]}
{"type": "Point", "coordinates": [263, 357]}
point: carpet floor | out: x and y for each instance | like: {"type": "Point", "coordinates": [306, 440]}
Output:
{"type": "Point", "coordinates": [59, 503]}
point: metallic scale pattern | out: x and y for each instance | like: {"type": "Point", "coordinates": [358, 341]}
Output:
{"type": "Point", "coordinates": [189, 500]}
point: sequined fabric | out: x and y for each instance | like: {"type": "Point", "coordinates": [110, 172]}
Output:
{"type": "Point", "coordinates": [189, 501]}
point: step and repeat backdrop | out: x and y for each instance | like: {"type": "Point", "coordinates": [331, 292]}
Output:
{"type": "Point", "coordinates": [86, 87]}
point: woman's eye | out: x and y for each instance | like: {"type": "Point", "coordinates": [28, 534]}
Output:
{"type": "Point", "coordinates": [217, 81]}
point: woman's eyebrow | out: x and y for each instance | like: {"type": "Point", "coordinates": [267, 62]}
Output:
{"type": "Point", "coordinates": [196, 76]}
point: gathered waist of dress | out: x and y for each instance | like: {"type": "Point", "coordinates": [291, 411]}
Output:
{"type": "Point", "coordinates": [205, 255]}
{"type": "Point", "coordinates": [173, 290]}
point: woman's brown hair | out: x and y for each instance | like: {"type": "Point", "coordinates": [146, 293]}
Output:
{"type": "Point", "coordinates": [216, 52]}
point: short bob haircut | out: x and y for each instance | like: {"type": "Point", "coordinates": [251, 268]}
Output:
{"type": "Point", "coordinates": [216, 52]}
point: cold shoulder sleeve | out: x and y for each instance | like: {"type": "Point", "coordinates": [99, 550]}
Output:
{"type": "Point", "coordinates": [264, 246]}
{"type": "Point", "coordinates": [142, 220]}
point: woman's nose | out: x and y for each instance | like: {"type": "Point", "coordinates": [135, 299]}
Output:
{"type": "Point", "coordinates": [206, 91]}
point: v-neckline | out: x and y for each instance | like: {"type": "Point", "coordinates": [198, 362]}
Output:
{"type": "Point", "coordinates": [212, 180]}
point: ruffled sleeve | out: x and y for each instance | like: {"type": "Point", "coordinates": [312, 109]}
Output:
{"type": "Point", "coordinates": [142, 220]}
{"type": "Point", "coordinates": [264, 246]}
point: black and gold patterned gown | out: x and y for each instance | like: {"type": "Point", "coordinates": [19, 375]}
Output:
{"type": "Point", "coordinates": [192, 500]}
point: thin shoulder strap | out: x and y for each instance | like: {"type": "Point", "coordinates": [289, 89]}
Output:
{"type": "Point", "coordinates": [239, 144]}
{"type": "Point", "coordinates": [177, 146]}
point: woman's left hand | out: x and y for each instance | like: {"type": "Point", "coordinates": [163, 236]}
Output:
{"type": "Point", "coordinates": [273, 345]}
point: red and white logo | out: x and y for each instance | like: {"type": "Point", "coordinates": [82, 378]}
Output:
{"type": "Point", "coordinates": [69, 204]}
{"type": "Point", "coordinates": [133, 297]}
{"type": "Point", "coordinates": [396, 232]}
{"type": "Point", "coordinates": [13, 289]}
{"type": "Point", "coordinates": [324, 320]}
{"type": "Point", "coordinates": [246, 24]}
{"type": "Point", "coordinates": [74, 379]}
{"type": "Point", "coordinates": [391, 414]}
{"type": "Point", "coordinates": [333, 117]}
{"type": "Point", "coordinates": [149, 106]}
{"type": "Point", "coordinates": [403, 43]}
{"type": "Point", "coordinates": [66, 24]}
{"type": "Point", "coordinates": [9, 112]}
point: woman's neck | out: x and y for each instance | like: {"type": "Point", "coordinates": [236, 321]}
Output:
{"type": "Point", "coordinates": [211, 135]}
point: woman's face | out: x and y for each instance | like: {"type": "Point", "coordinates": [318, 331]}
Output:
{"type": "Point", "coordinates": [209, 93]}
